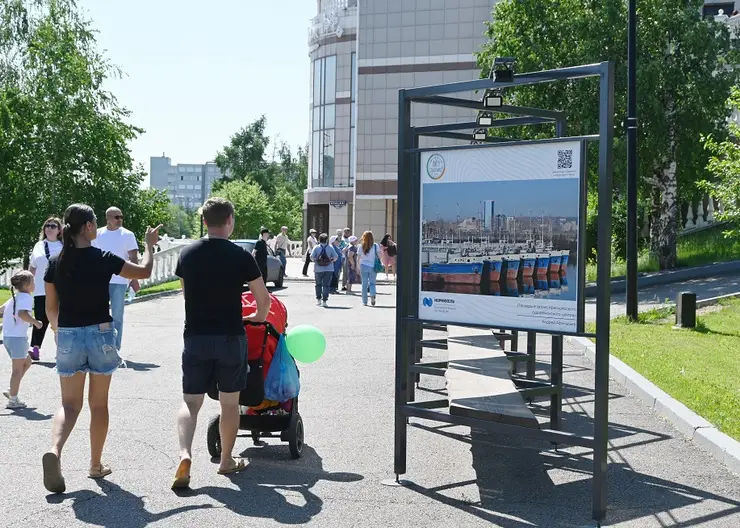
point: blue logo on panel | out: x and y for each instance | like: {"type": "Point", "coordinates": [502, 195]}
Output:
{"type": "Point", "coordinates": [428, 302]}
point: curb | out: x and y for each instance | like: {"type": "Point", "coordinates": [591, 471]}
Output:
{"type": "Point", "coordinates": [152, 296]}
{"type": "Point", "coordinates": [688, 423]}
{"type": "Point", "coordinates": [716, 300]}
{"type": "Point", "coordinates": [646, 280]}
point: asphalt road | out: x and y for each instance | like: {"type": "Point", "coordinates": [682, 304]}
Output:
{"type": "Point", "coordinates": [657, 296]}
{"type": "Point", "coordinates": [460, 479]}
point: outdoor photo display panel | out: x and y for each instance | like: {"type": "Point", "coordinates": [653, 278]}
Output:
{"type": "Point", "coordinates": [500, 236]}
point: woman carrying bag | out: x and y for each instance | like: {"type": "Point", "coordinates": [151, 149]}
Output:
{"type": "Point", "coordinates": [369, 265]}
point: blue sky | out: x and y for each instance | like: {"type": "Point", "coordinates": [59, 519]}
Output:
{"type": "Point", "coordinates": [197, 71]}
{"type": "Point", "coordinates": [555, 197]}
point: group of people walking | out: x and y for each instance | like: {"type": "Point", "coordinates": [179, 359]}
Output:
{"type": "Point", "coordinates": [356, 261]}
{"type": "Point", "coordinates": [28, 304]}
{"type": "Point", "coordinates": [77, 304]}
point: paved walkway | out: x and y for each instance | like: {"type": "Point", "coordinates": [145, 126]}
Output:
{"type": "Point", "coordinates": [656, 477]}
{"type": "Point", "coordinates": [659, 296]}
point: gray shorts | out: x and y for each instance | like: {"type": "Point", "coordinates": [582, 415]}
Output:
{"type": "Point", "coordinates": [218, 360]}
{"type": "Point", "coordinates": [17, 347]}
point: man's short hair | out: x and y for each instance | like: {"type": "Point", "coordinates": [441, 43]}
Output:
{"type": "Point", "coordinates": [347, 229]}
{"type": "Point", "coordinates": [323, 238]}
{"type": "Point", "coordinates": [216, 211]}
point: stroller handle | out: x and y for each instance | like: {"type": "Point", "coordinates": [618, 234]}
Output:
{"type": "Point", "coordinates": [270, 328]}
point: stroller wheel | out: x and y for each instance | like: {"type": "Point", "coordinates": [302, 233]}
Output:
{"type": "Point", "coordinates": [256, 437]}
{"type": "Point", "coordinates": [214, 437]}
{"type": "Point", "coordinates": [295, 436]}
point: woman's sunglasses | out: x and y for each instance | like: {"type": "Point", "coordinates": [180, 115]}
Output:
{"type": "Point", "coordinates": [51, 226]}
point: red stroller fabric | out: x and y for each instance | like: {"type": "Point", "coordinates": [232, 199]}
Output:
{"type": "Point", "coordinates": [278, 318]}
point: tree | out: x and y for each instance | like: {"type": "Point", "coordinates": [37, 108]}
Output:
{"type": "Point", "coordinates": [683, 75]}
{"type": "Point", "coordinates": [251, 207]}
{"type": "Point", "coordinates": [180, 223]}
{"type": "Point", "coordinates": [63, 138]}
{"type": "Point", "coordinates": [724, 165]}
{"type": "Point", "coordinates": [244, 155]}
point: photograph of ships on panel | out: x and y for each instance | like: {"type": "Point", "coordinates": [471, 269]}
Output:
{"type": "Point", "coordinates": [511, 238]}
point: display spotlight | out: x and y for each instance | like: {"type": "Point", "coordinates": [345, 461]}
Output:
{"type": "Point", "coordinates": [493, 99]}
{"type": "Point", "coordinates": [485, 119]}
{"type": "Point", "coordinates": [503, 69]}
{"type": "Point", "coordinates": [480, 135]}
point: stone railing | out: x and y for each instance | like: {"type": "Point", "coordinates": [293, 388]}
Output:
{"type": "Point", "coordinates": [165, 262]}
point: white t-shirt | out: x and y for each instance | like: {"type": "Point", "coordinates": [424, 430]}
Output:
{"type": "Point", "coordinates": [118, 242]}
{"type": "Point", "coordinates": [368, 259]}
{"type": "Point", "coordinates": [40, 262]}
{"type": "Point", "coordinates": [15, 326]}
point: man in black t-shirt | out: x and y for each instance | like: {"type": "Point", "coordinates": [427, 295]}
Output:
{"type": "Point", "coordinates": [260, 252]}
{"type": "Point", "coordinates": [213, 271]}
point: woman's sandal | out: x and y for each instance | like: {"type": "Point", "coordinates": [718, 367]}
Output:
{"type": "Point", "coordinates": [99, 472]}
{"type": "Point", "coordinates": [240, 465]}
{"type": "Point", "coordinates": [182, 475]}
{"type": "Point", "coordinates": [53, 479]}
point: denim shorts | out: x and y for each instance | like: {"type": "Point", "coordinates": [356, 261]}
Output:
{"type": "Point", "coordinates": [17, 347]}
{"type": "Point", "coordinates": [87, 349]}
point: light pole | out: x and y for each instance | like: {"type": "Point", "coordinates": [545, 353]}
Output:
{"type": "Point", "coordinates": [631, 163]}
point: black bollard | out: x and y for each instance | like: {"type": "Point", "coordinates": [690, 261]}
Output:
{"type": "Point", "coordinates": [686, 310]}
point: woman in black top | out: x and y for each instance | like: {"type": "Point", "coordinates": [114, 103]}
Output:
{"type": "Point", "coordinates": [77, 305]}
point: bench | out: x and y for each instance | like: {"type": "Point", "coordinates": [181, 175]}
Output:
{"type": "Point", "coordinates": [479, 383]}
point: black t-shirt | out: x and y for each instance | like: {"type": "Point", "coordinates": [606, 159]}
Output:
{"type": "Point", "coordinates": [214, 270]}
{"type": "Point", "coordinates": [260, 250]}
{"type": "Point", "coordinates": [82, 285]}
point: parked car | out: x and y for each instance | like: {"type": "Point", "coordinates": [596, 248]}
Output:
{"type": "Point", "coordinates": [275, 270]}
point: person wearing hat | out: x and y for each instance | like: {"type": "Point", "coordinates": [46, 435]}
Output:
{"type": "Point", "coordinates": [282, 245]}
{"type": "Point", "coordinates": [260, 252]}
{"type": "Point", "coordinates": [311, 243]}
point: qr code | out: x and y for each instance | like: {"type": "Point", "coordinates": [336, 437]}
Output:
{"type": "Point", "coordinates": [565, 159]}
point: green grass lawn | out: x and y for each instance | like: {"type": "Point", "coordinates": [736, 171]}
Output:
{"type": "Point", "coordinates": [704, 247]}
{"type": "Point", "coordinates": [700, 368]}
{"type": "Point", "coordinates": [4, 296]}
{"type": "Point", "coordinates": [159, 288]}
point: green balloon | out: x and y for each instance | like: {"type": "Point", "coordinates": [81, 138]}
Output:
{"type": "Point", "coordinates": [306, 343]}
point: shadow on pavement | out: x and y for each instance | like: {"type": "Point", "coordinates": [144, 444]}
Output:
{"type": "Point", "coordinates": [140, 367]}
{"type": "Point", "coordinates": [29, 413]}
{"type": "Point", "coordinates": [269, 473]}
{"type": "Point", "coordinates": [516, 488]}
{"type": "Point", "coordinates": [98, 508]}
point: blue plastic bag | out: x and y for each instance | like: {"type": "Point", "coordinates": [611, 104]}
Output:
{"type": "Point", "coordinates": [282, 382]}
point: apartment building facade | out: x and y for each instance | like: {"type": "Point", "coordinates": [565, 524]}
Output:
{"type": "Point", "coordinates": [187, 184]}
{"type": "Point", "coordinates": [362, 52]}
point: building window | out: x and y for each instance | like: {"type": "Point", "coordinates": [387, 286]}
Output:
{"type": "Point", "coordinates": [323, 121]}
{"type": "Point", "coordinates": [352, 118]}
{"type": "Point", "coordinates": [182, 178]}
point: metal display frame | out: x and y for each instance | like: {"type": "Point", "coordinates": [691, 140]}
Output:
{"type": "Point", "coordinates": [409, 327]}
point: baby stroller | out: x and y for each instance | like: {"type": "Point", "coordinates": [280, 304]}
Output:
{"type": "Point", "coordinates": [262, 418]}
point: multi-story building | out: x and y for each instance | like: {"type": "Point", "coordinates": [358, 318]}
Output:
{"type": "Point", "coordinates": [187, 184]}
{"type": "Point", "coordinates": [362, 52]}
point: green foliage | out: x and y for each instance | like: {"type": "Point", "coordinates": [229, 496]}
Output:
{"type": "Point", "coordinates": [683, 79]}
{"type": "Point", "coordinates": [63, 138]}
{"type": "Point", "coordinates": [274, 188]}
{"type": "Point", "coordinates": [244, 155]}
{"type": "Point", "coordinates": [251, 207]}
{"type": "Point", "coordinates": [180, 222]}
{"type": "Point", "coordinates": [724, 165]}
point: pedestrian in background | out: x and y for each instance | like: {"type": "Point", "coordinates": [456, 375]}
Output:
{"type": "Point", "coordinates": [369, 253]}
{"type": "Point", "coordinates": [17, 319]}
{"type": "Point", "coordinates": [388, 252]}
{"type": "Point", "coordinates": [323, 256]}
{"type": "Point", "coordinates": [335, 242]}
{"type": "Point", "coordinates": [118, 240]}
{"type": "Point", "coordinates": [49, 244]}
{"type": "Point", "coordinates": [282, 246]}
{"type": "Point", "coordinates": [353, 264]}
{"type": "Point", "coordinates": [310, 245]}
{"type": "Point", "coordinates": [346, 233]}
{"type": "Point", "coordinates": [260, 252]}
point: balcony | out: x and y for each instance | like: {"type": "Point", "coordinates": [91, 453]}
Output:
{"type": "Point", "coordinates": [327, 23]}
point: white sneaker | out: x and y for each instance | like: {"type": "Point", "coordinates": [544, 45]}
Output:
{"type": "Point", "coordinates": [324, 304]}
{"type": "Point", "coordinates": [318, 302]}
{"type": "Point", "coordinates": [15, 404]}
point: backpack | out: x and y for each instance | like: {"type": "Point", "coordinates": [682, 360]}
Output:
{"type": "Point", "coordinates": [392, 250]}
{"type": "Point", "coordinates": [323, 259]}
